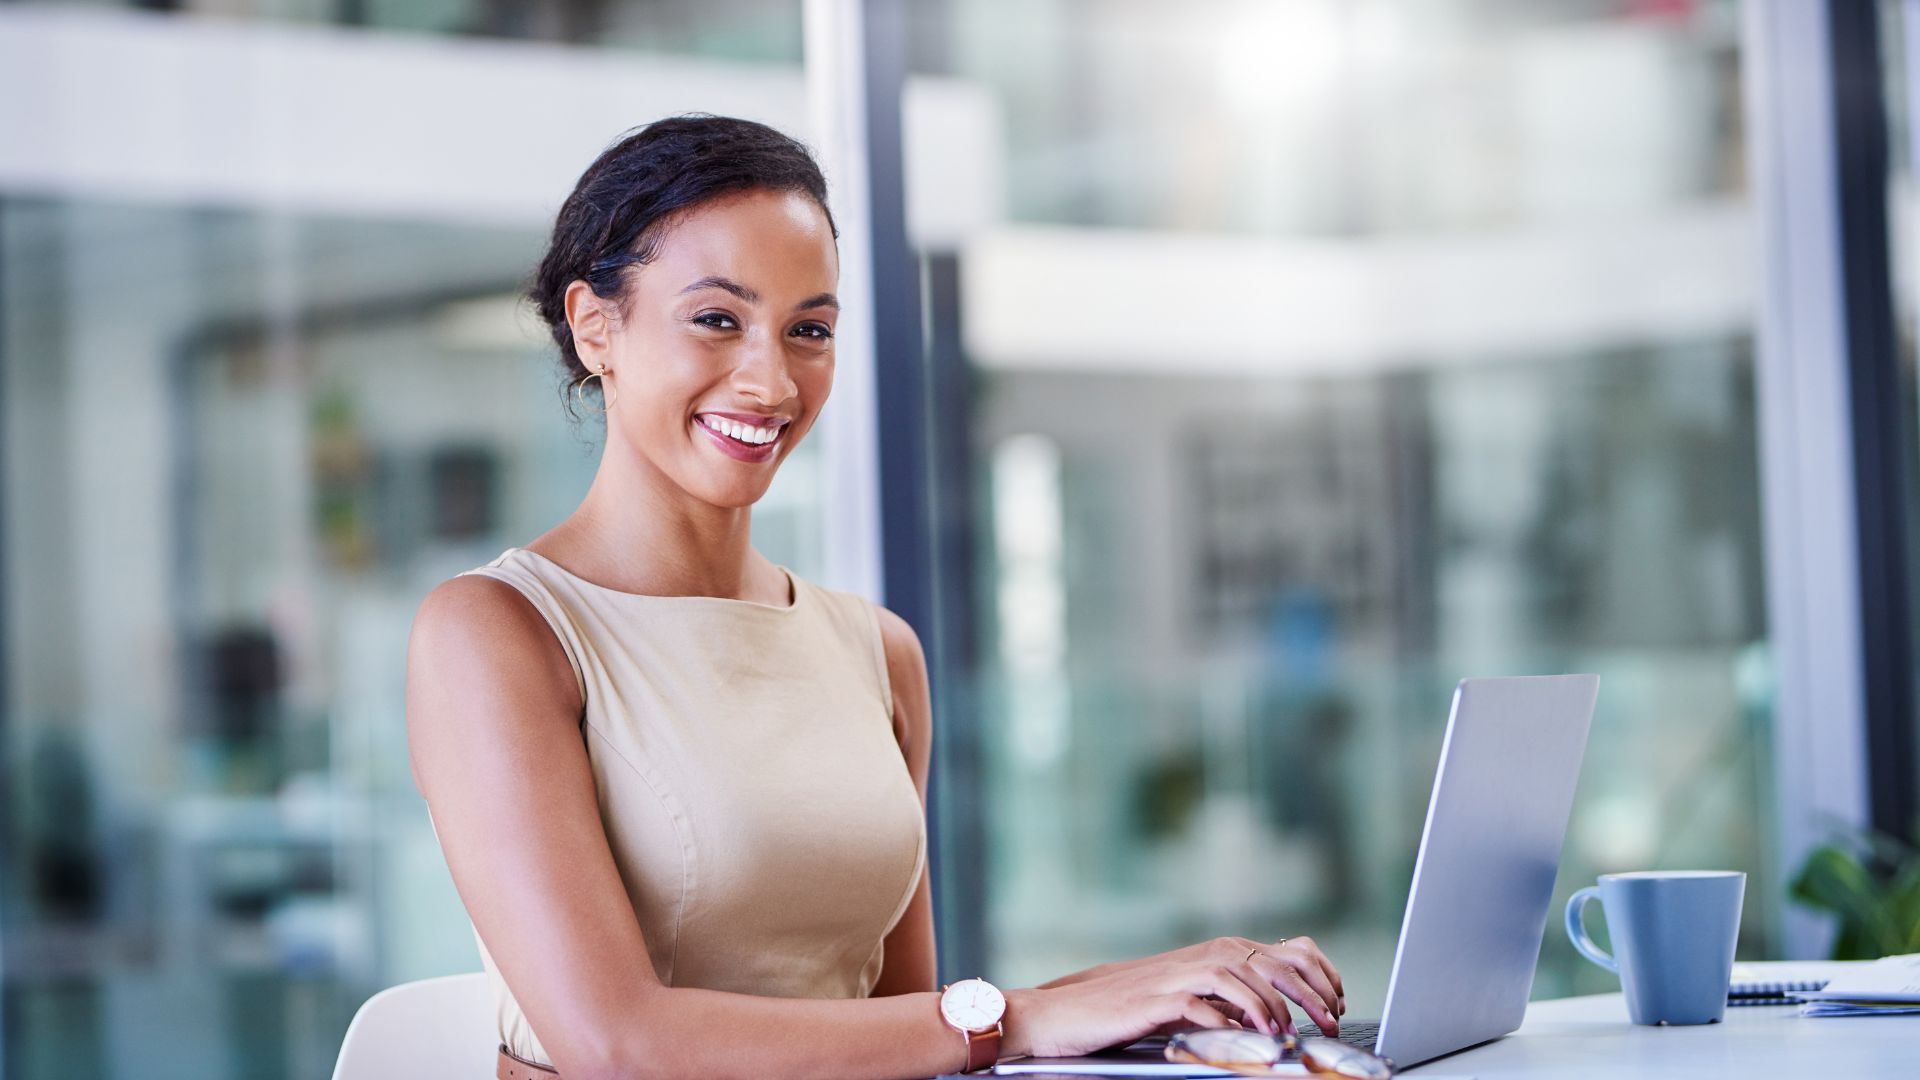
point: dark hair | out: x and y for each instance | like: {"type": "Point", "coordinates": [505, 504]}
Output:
{"type": "Point", "coordinates": [638, 187]}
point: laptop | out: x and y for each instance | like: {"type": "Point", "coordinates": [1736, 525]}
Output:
{"type": "Point", "coordinates": [1482, 881]}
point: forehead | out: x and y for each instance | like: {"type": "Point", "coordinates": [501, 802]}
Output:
{"type": "Point", "coordinates": [773, 241]}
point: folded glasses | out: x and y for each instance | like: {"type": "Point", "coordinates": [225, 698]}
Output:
{"type": "Point", "coordinates": [1254, 1053]}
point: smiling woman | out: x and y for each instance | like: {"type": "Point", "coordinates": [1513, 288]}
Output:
{"type": "Point", "coordinates": [682, 790]}
{"type": "Point", "coordinates": [738, 354]}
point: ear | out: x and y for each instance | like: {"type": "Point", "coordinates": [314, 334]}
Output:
{"type": "Point", "coordinates": [587, 315]}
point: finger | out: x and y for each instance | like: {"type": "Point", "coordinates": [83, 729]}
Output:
{"type": "Point", "coordinates": [1258, 981]}
{"type": "Point", "coordinates": [1235, 984]}
{"type": "Point", "coordinates": [1316, 977]}
{"type": "Point", "coordinates": [1289, 980]}
{"type": "Point", "coordinates": [1312, 949]}
{"type": "Point", "coordinates": [1191, 1008]}
{"type": "Point", "coordinates": [1316, 969]}
{"type": "Point", "coordinates": [1222, 981]}
{"type": "Point", "coordinates": [1232, 1012]}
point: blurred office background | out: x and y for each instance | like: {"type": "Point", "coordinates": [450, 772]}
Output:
{"type": "Point", "coordinates": [1228, 379]}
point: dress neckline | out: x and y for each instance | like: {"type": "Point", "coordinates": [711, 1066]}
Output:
{"type": "Point", "coordinates": [793, 589]}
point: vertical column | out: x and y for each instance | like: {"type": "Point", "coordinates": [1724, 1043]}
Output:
{"type": "Point", "coordinates": [1882, 406]}
{"type": "Point", "coordinates": [1806, 442]}
{"type": "Point", "coordinates": [882, 506]}
{"type": "Point", "coordinates": [836, 103]}
{"type": "Point", "coordinates": [7, 918]}
{"type": "Point", "coordinates": [908, 532]}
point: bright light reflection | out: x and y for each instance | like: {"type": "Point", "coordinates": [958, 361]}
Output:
{"type": "Point", "coordinates": [1032, 596]}
{"type": "Point", "coordinates": [1276, 53]}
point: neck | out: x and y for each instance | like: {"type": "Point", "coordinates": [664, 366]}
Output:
{"type": "Point", "coordinates": [638, 531]}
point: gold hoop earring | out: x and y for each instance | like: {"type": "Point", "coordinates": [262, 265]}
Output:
{"type": "Point", "coordinates": [581, 399]}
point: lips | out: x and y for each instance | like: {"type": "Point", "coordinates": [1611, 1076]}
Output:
{"type": "Point", "coordinates": [743, 436]}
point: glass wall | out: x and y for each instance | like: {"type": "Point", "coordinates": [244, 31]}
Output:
{"type": "Point", "coordinates": [242, 439]}
{"type": "Point", "coordinates": [1320, 354]}
{"type": "Point", "coordinates": [1294, 359]}
{"type": "Point", "coordinates": [1899, 22]}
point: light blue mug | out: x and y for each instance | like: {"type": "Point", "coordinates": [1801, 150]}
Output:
{"type": "Point", "coordinates": [1673, 933]}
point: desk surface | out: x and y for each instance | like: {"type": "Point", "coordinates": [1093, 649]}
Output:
{"type": "Point", "coordinates": [1591, 1037]}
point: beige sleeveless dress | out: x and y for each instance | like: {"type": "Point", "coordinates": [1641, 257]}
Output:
{"type": "Point", "coordinates": [755, 798]}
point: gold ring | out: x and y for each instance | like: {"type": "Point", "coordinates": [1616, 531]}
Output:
{"type": "Point", "coordinates": [1281, 942]}
{"type": "Point", "coordinates": [1250, 953]}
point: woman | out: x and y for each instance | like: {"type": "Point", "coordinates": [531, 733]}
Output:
{"type": "Point", "coordinates": [682, 791]}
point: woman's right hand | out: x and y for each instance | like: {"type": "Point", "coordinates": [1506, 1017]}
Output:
{"type": "Point", "coordinates": [1141, 999]}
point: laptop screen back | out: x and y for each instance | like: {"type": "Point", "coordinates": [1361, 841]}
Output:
{"type": "Point", "coordinates": [1484, 876]}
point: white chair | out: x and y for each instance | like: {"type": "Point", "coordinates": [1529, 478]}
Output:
{"type": "Point", "coordinates": [432, 1027]}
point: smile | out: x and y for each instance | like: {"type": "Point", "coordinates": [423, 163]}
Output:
{"type": "Point", "coordinates": [744, 433]}
{"type": "Point", "coordinates": [743, 437]}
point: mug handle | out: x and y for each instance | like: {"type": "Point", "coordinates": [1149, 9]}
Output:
{"type": "Point", "coordinates": [1577, 930]}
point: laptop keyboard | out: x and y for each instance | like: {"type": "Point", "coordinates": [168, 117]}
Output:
{"type": "Point", "coordinates": [1361, 1033]}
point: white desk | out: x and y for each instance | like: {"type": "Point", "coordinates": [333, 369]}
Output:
{"type": "Point", "coordinates": [1591, 1037]}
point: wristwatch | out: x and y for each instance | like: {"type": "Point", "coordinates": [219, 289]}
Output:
{"type": "Point", "coordinates": [975, 1008]}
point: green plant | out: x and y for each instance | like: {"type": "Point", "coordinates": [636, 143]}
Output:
{"type": "Point", "coordinates": [1870, 881]}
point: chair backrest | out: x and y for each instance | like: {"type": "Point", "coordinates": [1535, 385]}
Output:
{"type": "Point", "coordinates": [433, 1027]}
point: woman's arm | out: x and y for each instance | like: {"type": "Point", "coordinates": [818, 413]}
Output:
{"type": "Point", "coordinates": [1297, 968]}
{"type": "Point", "coordinates": [493, 723]}
{"type": "Point", "coordinates": [493, 726]}
{"type": "Point", "coordinates": [909, 953]}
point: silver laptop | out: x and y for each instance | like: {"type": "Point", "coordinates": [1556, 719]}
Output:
{"type": "Point", "coordinates": [1481, 883]}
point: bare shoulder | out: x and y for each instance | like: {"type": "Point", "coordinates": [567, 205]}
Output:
{"type": "Point", "coordinates": [904, 654]}
{"type": "Point", "coordinates": [907, 674]}
{"type": "Point", "coordinates": [480, 653]}
{"type": "Point", "coordinates": [476, 622]}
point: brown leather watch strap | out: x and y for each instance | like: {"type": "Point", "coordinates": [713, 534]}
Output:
{"type": "Point", "coordinates": [983, 1048]}
{"type": "Point", "coordinates": [511, 1066]}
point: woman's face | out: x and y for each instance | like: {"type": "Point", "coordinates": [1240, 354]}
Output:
{"type": "Point", "coordinates": [725, 354]}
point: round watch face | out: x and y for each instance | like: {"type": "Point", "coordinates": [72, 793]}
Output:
{"type": "Point", "coordinates": [973, 1004]}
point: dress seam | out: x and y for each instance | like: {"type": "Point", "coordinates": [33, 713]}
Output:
{"type": "Point", "coordinates": [913, 886]}
{"type": "Point", "coordinates": [681, 832]}
{"type": "Point", "coordinates": [880, 658]}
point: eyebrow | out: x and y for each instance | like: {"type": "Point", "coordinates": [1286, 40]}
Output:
{"type": "Point", "coordinates": [715, 281]}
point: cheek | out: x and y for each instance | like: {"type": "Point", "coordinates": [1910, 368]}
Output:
{"type": "Point", "coordinates": [816, 380]}
{"type": "Point", "coordinates": [668, 381]}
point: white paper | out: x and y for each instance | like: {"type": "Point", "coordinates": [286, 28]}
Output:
{"type": "Point", "coordinates": [1892, 979]}
{"type": "Point", "coordinates": [1121, 1066]}
{"type": "Point", "coordinates": [1846, 1008]}
{"type": "Point", "coordinates": [1093, 1066]}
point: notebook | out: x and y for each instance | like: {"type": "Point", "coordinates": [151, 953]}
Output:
{"type": "Point", "coordinates": [1771, 992]}
{"type": "Point", "coordinates": [1886, 986]}
{"type": "Point", "coordinates": [1776, 983]}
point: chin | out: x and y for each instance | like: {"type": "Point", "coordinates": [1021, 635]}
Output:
{"type": "Point", "coordinates": [730, 496]}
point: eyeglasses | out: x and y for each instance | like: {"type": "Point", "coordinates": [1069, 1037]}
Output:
{"type": "Point", "coordinates": [1254, 1053]}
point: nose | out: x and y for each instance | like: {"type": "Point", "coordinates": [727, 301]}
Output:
{"type": "Point", "coordinates": [761, 372]}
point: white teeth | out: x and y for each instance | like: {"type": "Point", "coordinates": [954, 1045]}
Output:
{"type": "Point", "coordinates": [741, 432]}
